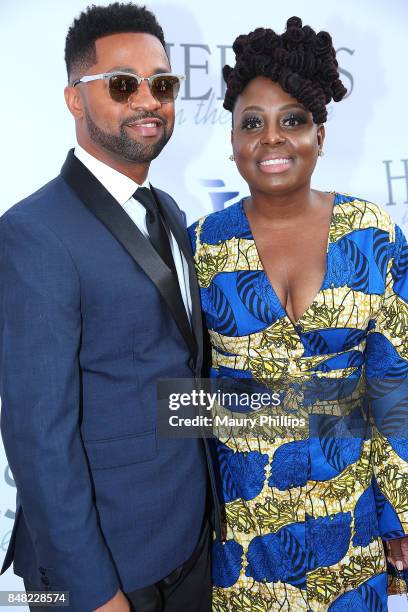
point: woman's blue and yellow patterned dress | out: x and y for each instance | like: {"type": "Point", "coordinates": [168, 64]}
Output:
{"type": "Point", "coordinates": [305, 518]}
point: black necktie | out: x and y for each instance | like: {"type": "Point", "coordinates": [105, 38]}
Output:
{"type": "Point", "coordinates": [155, 226]}
{"type": "Point", "coordinates": [159, 238]}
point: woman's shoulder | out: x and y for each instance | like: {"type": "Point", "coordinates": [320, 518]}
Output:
{"type": "Point", "coordinates": [361, 213]}
{"type": "Point", "coordinates": [220, 226]}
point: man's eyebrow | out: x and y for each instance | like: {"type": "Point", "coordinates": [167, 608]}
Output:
{"type": "Point", "coordinates": [131, 70]}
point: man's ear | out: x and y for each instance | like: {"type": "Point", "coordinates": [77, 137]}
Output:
{"type": "Point", "coordinates": [73, 101]}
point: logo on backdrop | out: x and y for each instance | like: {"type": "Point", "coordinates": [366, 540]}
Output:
{"type": "Point", "coordinates": [195, 64]}
{"type": "Point", "coordinates": [396, 173]}
{"type": "Point", "coordinates": [219, 197]}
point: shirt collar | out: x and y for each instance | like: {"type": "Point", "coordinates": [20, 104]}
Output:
{"type": "Point", "coordinates": [121, 187]}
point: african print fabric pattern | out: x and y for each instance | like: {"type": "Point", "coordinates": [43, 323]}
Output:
{"type": "Point", "coordinates": [305, 517]}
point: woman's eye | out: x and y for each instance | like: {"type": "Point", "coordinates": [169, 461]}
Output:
{"type": "Point", "coordinates": [250, 123]}
{"type": "Point", "coordinates": [293, 120]}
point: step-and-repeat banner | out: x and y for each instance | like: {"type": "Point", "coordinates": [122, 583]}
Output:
{"type": "Point", "coordinates": [366, 135]}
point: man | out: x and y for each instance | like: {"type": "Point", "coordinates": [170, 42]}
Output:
{"type": "Point", "coordinates": [99, 300]}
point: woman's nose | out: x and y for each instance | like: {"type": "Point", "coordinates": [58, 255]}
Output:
{"type": "Point", "coordinates": [272, 136]}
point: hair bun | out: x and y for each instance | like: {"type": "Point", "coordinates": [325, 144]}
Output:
{"type": "Point", "coordinates": [339, 91]}
{"type": "Point", "coordinates": [294, 22]}
{"type": "Point", "coordinates": [239, 44]}
{"type": "Point", "coordinates": [226, 71]}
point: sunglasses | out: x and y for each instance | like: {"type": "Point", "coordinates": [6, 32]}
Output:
{"type": "Point", "coordinates": [164, 87]}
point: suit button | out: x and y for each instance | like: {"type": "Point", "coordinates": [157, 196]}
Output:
{"type": "Point", "coordinates": [191, 365]}
{"type": "Point", "coordinates": [42, 570]}
{"type": "Point", "coordinates": [45, 580]}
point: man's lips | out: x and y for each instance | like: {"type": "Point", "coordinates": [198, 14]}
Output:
{"type": "Point", "coordinates": [146, 127]}
{"type": "Point", "coordinates": [275, 165]}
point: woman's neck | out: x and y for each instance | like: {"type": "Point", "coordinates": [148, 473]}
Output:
{"type": "Point", "coordinates": [285, 207]}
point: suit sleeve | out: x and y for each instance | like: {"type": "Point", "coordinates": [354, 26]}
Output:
{"type": "Point", "coordinates": [40, 337]}
{"type": "Point", "coordinates": [387, 379]}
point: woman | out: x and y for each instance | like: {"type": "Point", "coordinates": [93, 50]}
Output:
{"type": "Point", "coordinates": [302, 285]}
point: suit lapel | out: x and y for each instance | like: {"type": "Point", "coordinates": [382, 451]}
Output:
{"type": "Point", "coordinates": [100, 202]}
{"type": "Point", "coordinates": [179, 232]}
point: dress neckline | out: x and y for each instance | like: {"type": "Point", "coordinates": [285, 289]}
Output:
{"type": "Point", "coordinates": [297, 325]}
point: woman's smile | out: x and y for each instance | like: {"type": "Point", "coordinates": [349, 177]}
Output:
{"type": "Point", "coordinates": [275, 165]}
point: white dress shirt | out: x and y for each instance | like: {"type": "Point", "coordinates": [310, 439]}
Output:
{"type": "Point", "coordinates": [122, 188]}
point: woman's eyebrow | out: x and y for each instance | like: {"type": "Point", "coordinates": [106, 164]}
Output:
{"type": "Point", "coordinates": [252, 108]}
{"type": "Point", "coordinates": [292, 105]}
{"type": "Point", "coordinates": [281, 108]}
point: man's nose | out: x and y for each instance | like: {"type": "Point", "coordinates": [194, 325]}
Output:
{"type": "Point", "coordinates": [143, 98]}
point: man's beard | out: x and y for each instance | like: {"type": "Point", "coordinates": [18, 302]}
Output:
{"type": "Point", "coordinates": [125, 147]}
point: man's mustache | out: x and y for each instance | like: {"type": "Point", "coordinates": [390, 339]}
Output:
{"type": "Point", "coordinates": [142, 116]}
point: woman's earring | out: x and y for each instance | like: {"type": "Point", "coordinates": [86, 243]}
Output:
{"type": "Point", "coordinates": [231, 157]}
{"type": "Point", "coordinates": [320, 152]}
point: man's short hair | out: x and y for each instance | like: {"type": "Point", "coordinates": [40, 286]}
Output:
{"type": "Point", "coordinates": [98, 21]}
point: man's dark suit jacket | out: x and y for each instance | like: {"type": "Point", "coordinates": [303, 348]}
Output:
{"type": "Point", "coordinates": [90, 319]}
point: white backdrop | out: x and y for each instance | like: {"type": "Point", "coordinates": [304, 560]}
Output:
{"type": "Point", "coordinates": [367, 136]}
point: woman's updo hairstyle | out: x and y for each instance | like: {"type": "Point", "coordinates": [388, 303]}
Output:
{"type": "Point", "coordinates": [301, 61]}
